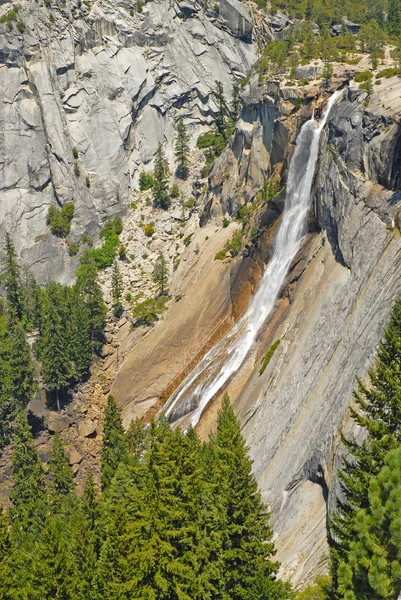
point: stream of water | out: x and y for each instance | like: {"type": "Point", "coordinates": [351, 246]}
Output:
{"type": "Point", "coordinates": [226, 357]}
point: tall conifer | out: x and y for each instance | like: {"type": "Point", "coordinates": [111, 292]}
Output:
{"type": "Point", "coordinates": [114, 441]}
{"type": "Point", "coordinates": [247, 545]}
{"type": "Point", "coordinates": [87, 285]}
{"type": "Point", "coordinates": [11, 276]}
{"type": "Point", "coordinates": [55, 342]}
{"type": "Point", "coordinates": [62, 483]}
{"type": "Point", "coordinates": [28, 492]}
{"type": "Point", "coordinates": [161, 198]}
{"type": "Point", "coordinates": [378, 411]}
{"type": "Point", "coordinates": [181, 151]}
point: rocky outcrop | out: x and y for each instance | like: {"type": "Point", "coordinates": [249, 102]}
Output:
{"type": "Point", "coordinates": [83, 111]}
{"type": "Point", "coordinates": [329, 319]}
{"type": "Point", "coordinates": [237, 18]}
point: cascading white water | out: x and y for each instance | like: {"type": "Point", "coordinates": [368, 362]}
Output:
{"type": "Point", "coordinates": [217, 366]}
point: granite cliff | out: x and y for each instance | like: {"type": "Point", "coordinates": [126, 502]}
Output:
{"type": "Point", "coordinates": [107, 84]}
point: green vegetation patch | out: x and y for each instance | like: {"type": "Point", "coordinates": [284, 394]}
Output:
{"type": "Point", "coordinates": [105, 255]}
{"type": "Point", "coordinates": [146, 181]}
{"type": "Point", "coordinates": [390, 72]}
{"type": "Point", "coordinates": [60, 219]}
{"type": "Point", "coordinates": [363, 76]}
{"type": "Point", "coordinates": [148, 311]}
{"type": "Point", "coordinates": [266, 358]}
{"type": "Point", "coordinates": [233, 246]}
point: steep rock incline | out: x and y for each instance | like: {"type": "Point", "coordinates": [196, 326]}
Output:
{"type": "Point", "coordinates": [106, 84]}
{"type": "Point", "coordinates": [329, 320]}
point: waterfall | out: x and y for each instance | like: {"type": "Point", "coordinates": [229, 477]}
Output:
{"type": "Point", "coordinates": [224, 359]}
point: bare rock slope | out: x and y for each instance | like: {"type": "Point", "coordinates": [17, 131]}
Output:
{"type": "Point", "coordinates": [87, 93]}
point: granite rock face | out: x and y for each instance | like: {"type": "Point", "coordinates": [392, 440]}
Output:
{"type": "Point", "coordinates": [329, 317]}
{"type": "Point", "coordinates": [87, 94]}
{"type": "Point", "coordinates": [333, 306]}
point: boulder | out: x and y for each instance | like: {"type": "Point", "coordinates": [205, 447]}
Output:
{"type": "Point", "coordinates": [278, 23]}
{"type": "Point", "coordinates": [58, 423]}
{"type": "Point", "coordinates": [74, 457]}
{"type": "Point", "coordinates": [187, 9]}
{"type": "Point", "coordinates": [311, 71]}
{"type": "Point", "coordinates": [236, 18]}
{"type": "Point", "coordinates": [87, 428]}
{"type": "Point", "coordinates": [352, 27]}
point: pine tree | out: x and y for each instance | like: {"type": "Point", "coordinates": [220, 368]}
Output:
{"type": "Point", "coordinates": [136, 436]}
{"type": "Point", "coordinates": [28, 492]}
{"type": "Point", "coordinates": [11, 275]}
{"type": "Point", "coordinates": [235, 103]}
{"type": "Point", "coordinates": [112, 571]}
{"type": "Point", "coordinates": [17, 384]}
{"type": "Point", "coordinates": [32, 299]}
{"type": "Point", "coordinates": [220, 119]}
{"type": "Point", "coordinates": [372, 566]}
{"type": "Point", "coordinates": [81, 347]}
{"type": "Point", "coordinates": [309, 45]}
{"type": "Point", "coordinates": [6, 551]}
{"type": "Point", "coordinates": [114, 441]}
{"type": "Point", "coordinates": [51, 570]}
{"type": "Point", "coordinates": [116, 289]}
{"type": "Point", "coordinates": [84, 545]}
{"type": "Point", "coordinates": [394, 18]}
{"type": "Point", "coordinates": [182, 149]}
{"type": "Point", "coordinates": [55, 343]}
{"type": "Point", "coordinates": [160, 274]}
{"type": "Point", "coordinates": [62, 483]}
{"type": "Point", "coordinates": [378, 411]}
{"type": "Point", "coordinates": [161, 198]}
{"type": "Point", "coordinates": [160, 543]}
{"type": "Point", "coordinates": [327, 74]}
{"type": "Point", "coordinates": [247, 545]}
{"type": "Point", "coordinates": [88, 287]}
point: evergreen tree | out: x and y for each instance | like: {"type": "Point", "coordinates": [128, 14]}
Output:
{"type": "Point", "coordinates": [84, 546]}
{"type": "Point", "coordinates": [160, 545]}
{"type": "Point", "coordinates": [222, 113]}
{"type": "Point", "coordinates": [11, 276]}
{"type": "Point", "coordinates": [327, 74]}
{"type": "Point", "coordinates": [378, 411]}
{"type": "Point", "coordinates": [394, 18]}
{"type": "Point", "coordinates": [16, 372]}
{"type": "Point", "coordinates": [114, 441]}
{"type": "Point", "coordinates": [28, 492]}
{"type": "Point", "coordinates": [182, 149]}
{"type": "Point", "coordinates": [116, 289]}
{"type": "Point", "coordinates": [309, 45]}
{"type": "Point", "coordinates": [51, 570]}
{"type": "Point", "coordinates": [372, 566]}
{"type": "Point", "coordinates": [235, 103]}
{"type": "Point", "coordinates": [88, 287]}
{"type": "Point", "coordinates": [55, 343]}
{"type": "Point", "coordinates": [81, 347]}
{"type": "Point", "coordinates": [161, 198]}
{"type": "Point", "coordinates": [32, 299]}
{"type": "Point", "coordinates": [6, 551]}
{"type": "Point", "coordinates": [112, 571]}
{"type": "Point", "coordinates": [247, 545]}
{"type": "Point", "coordinates": [62, 483]}
{"type": "Point", "coordinates": [160, 274]}
{"type": "Point", "coordinates": [135, 437]}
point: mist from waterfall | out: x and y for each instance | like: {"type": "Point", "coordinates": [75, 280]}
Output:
{"type": "Point", "coordinates": [226, 357]}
